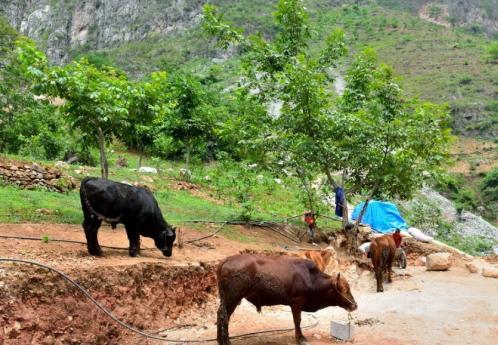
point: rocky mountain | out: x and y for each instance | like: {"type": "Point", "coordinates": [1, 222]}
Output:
{"type": "Point", "coordinates": [438, 47]}
{"type": "Point", "coordinates": [62, 26]}
{"type": "Point", "coordinates": [479, 16]}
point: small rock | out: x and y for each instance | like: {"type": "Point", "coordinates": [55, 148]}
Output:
{"type": "Point", "coordinates": [45, 211]}
{"type": "Point", "coordinates": [185, 172]}
{"type": "Point", "coordinates": [490, 272]}
{"type": "Point", "coordinates": [471, 267]}
{"type": "Point", "coordinates": [61, 165]}
{"type": "Point", "coordinates": [37, 168]}
{"type": "Point", "coordinates": [149, 170]}
{"type": "Point", "coordinates": [438, 262]}
{"type": "Point", "coordinates": [147, 179]}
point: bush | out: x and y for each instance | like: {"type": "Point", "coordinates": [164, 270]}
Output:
{"type": "Point", "coordinates": [434, 11]}
{"type": "Point", "coordinates": [38, 133]}
{"type": "Point", "coordinates": [489, 186]}
{"type": "Point", "coordinates": [492, 51]}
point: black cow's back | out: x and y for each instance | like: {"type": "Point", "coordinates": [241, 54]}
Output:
{"type": "Point", "coordinates": [121, 202]}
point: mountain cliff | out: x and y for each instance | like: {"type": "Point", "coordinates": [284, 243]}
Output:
{"type": "Point", "coordinates": [438, 47]}
{"type": "Point", "coordinates": [62, 26]}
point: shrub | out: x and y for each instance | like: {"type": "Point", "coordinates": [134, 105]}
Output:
{"type": "Point", "coordinates": [434, 11]}
{"type": "Point", "coordinates": [492, 51]}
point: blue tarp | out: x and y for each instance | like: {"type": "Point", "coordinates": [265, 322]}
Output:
{"type": "Point", "coordinates": [382, 216]}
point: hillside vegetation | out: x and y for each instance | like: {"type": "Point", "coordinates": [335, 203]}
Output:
{"type": "Point", "coordinates": [436, 63]}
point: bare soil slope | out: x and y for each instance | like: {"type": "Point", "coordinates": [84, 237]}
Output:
{"type": "Point", "coordinates": [152, 292]}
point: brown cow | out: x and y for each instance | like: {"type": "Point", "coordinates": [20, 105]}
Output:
{"type": "Point", "coordinates": [321, 258]}
{"type": "Point", "coordinates": [382, 252]}
{"type": "Point", "coordinates": [287, 280]}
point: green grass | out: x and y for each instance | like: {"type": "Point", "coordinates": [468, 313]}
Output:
{"type": "Point", "coordinates": [19, 206]}
{"type": "Point", "coordinates": [269, 200]}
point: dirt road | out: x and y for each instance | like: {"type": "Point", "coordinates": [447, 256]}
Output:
{"type": "Point", "coordinates": [419, 307]}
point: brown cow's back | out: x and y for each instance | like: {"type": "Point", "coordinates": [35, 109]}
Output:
{"type": "Point", "coordinates": [382, 252]}
{"type": "Point", "coordinates": [268, 280]}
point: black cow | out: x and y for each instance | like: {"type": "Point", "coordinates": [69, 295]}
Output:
{"type": "Point", "coordinates": [136, 208]}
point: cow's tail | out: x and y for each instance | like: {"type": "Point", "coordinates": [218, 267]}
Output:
{"type": "Point", "coordinates": [85, 202]}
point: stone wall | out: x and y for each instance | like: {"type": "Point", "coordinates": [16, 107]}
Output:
{"type": "Point", "coordinates": [31, 176]}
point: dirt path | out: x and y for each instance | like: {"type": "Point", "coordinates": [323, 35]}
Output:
{"type": "Point", "coordinates": [420, 308]}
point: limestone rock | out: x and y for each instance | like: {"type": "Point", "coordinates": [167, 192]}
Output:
{"type": "Point", "coordinates": [471, 267]}
{"type": "Point", "coordinates": [490, 272]}
{"type": "Point", "coordinates": [438, 262]}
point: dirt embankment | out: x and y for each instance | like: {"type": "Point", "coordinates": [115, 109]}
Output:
{"type": "Point", "coordinates": [147, 295]}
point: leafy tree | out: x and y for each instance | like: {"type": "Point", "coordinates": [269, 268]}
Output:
{"type": "Point", "coordinates": [149, 100]}
{"type": "Point", "coordinates": [373, 139]}
{"type": "Point", "coordinates": [28, 124]}
{"type": "Point", "coordinates": [190, 121]}
{"type": "Point", "coordinates": [95, 101]}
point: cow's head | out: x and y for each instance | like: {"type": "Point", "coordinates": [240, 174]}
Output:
{"type": "Point", "coordinates": [164, 241]}
{"type": "Point", "coordinates": [343, 297]}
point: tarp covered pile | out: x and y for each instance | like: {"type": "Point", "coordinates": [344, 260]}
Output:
{"type": "Point", "coordinates": [382, 216]}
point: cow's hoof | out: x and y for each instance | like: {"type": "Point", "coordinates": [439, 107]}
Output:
{"type": "Point", "coordinates": [380, 290]}
{"type": "Point", "coordinates": [303, 341]}
{"type": "Point", "coordinates": [133, 254]}
{"type": "Point", "coordinates": [95, 252]}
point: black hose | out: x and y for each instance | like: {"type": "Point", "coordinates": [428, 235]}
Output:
{"type": "Point", "coordinates": [63, 241]}
{"type": "Point", "coordinates": [136, 330]}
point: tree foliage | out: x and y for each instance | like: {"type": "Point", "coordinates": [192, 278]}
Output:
{"type": "Point", "coordinates": [94, 101]}
{"type": "Point", "coordinates": [379, 142]}
{"type": "Point", "coordinates": [28, 125]}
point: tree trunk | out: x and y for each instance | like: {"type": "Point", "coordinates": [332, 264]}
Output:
{"type": "Point", "coordinates": [353, 236]}
{"type": "Point", "coordinates": [104, 166]}
{"type": "Point", "coordinates": [353, 244]}
{"type": "Point", "coordinates": [334, 185]}
{"type": "Point", "coordinates": [187, 157]}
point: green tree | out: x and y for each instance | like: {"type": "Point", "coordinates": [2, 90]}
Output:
{"type": "Point", "coordinates": [372, 141]}
{"type": "Point", "coordinates": [149, 100]}
{"type": "Point", "coordinates": [28, 125]}
{"type": "Point", "coordinates": [191, 119]}
{"type": "Point", "coordinates": [95, 102]}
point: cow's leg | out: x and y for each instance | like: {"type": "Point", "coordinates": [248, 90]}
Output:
{"type": "Point", "coordinates": [379, 276]}
{"type": "Point", "coordinates": [91, 226]}
{"type": "Point", "coordinates": [390, 267]}
{"type": "Point", "coordinates": [229, 299]}
{"type": "Point", "coordinates": [134, 238]}
{"type": "Point", "coordinates": [296, 313]}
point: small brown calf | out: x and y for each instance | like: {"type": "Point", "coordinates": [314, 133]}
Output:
{"type": "Point", "coordinates": [321, 258]}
